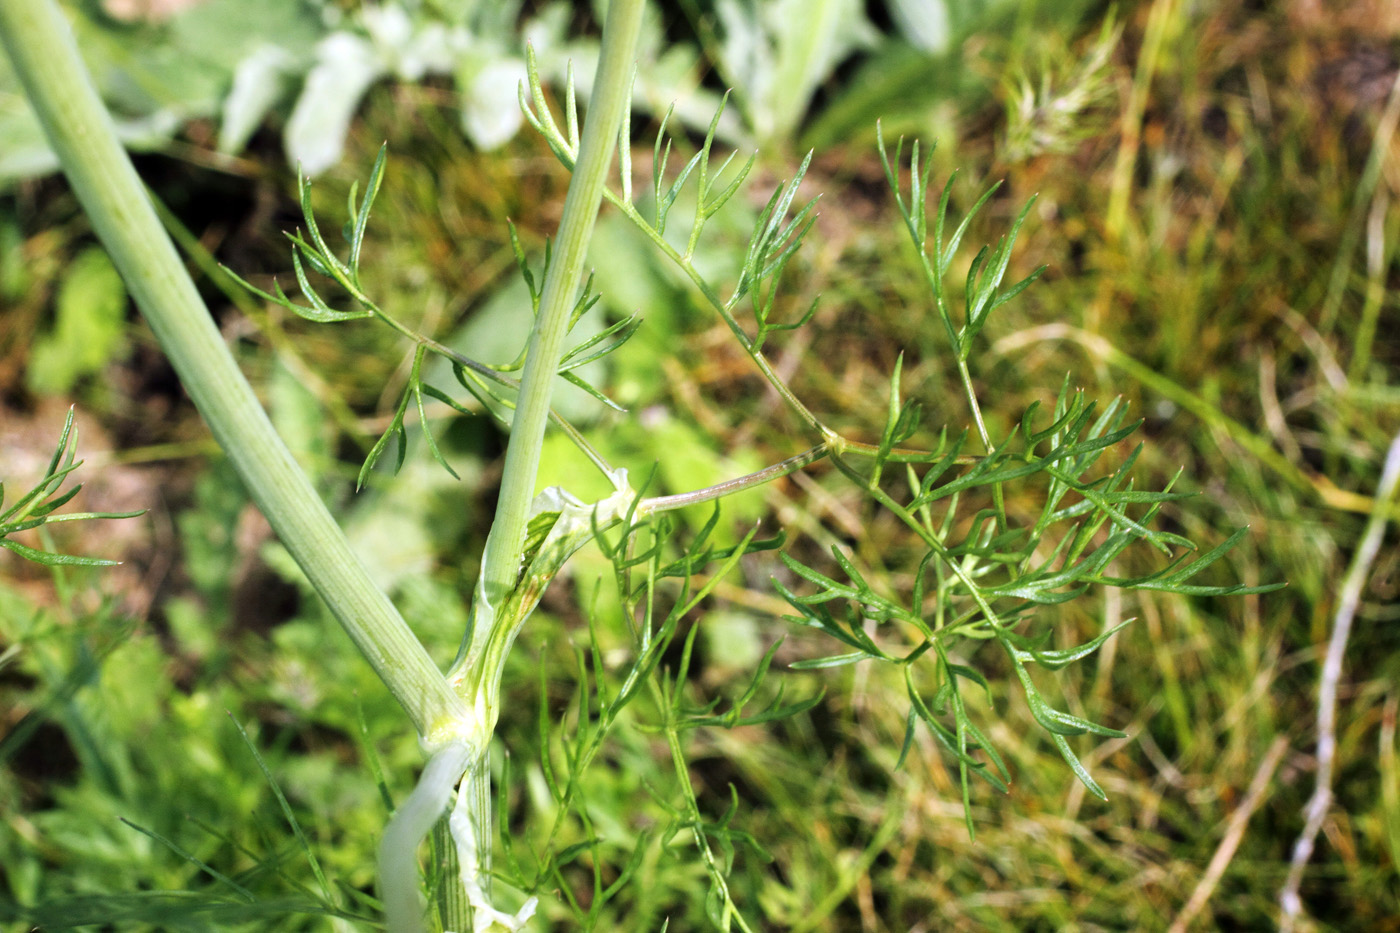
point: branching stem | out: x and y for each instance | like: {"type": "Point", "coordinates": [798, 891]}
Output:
{"type": "Point", "coordinates": [682, 262]}
{"type": "Point", "coordinates": [505, 544]}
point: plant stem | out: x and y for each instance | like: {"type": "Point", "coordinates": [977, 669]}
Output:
{"type": "Point", "coordinates": [729, 487]}
{"type": "Point", "coordinates": [1348, 601]}
{"type": "Point", "coordinates": [505, 544]}
{"type": "Point", "coordinates": [45, 57]}
{"type": "Point", "coordinates": [477, 672]}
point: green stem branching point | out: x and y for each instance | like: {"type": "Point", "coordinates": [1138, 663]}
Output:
{"type": "Point", "coordinates": [501, 566]}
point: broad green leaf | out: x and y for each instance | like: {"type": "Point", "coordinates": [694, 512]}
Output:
{"type": "Point", "coordinates": [89, 327]}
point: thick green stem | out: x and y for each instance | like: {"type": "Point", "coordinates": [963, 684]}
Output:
{"type": "Point", "coordinates": [505, 545]}
{"type": "Point", "coordinates": [41, 48]}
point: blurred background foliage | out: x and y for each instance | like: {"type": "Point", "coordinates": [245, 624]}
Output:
{"type": "Point", "coordinates": [1216, 208]}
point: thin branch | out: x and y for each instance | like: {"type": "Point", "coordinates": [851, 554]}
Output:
{"type": "Point", "coordinates": [1234, 833]}
{"type": "Point", "coordinates": [729, 487]}
{"type": "Point", "coordinates": [1348, 601]}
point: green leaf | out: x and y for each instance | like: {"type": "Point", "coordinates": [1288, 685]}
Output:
{"type": "Point", "coordinates": [357, 234]}
{"type": "Point", "coordinates": [1077, 766]}
{"type": "Point", "coordinates": [1054, 660]}
{"type": "Point", "coordinates": [89, 326]}
{"type": "Point", "coordinates": [394, 430]}
{"type": "Point", "coordinates": [600, 344]}
{"type": "Point", "coordinates": [1173, 580]}
{"type": "Point", "coordinates": [835, 660]}
{"type": "Point", "coordinates": [951, 741]}
{"type": "Point", "coordinates": [49, 559]}
{"type": "Point", "coordinates": [327, 263]}
{"type": "Point", "coordinates": [1062, 723]}
{"type": "Point", "coordinates": [574, 380]}
{"type": "Point", "coordinates": [321, 313]}
{"type": "Point", "coordinates": [286, 808]}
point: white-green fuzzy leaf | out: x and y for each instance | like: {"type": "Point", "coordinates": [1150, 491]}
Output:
{"type": "Point", "coordinates": [924, 23]}
{"type": "Point", "coordinates": [490, 113]}
{"type": "Point", "coordinates": [258, 81]}
{"type": "Point", "coordinates": [346, 66]}
{"type": "Point", "coordinates": [412, 48]}
{"type": "Point", "coordinates": [778, 53]}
